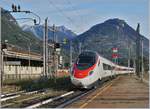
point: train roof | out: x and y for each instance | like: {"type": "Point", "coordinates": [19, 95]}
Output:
{"type": "Point", "coordinates": [106, 60]}
{"type": "Point", "coordinates": [88, 52]}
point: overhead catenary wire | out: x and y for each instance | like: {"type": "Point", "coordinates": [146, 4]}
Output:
{"type": "Point", "coordinates": [8, 2]}
{"type": "Point", "coordinates": [80, 18]}
{"type": "Point", "coordinates": [63, 13]}
{"type": "Point", "coordinates": [77, 14]}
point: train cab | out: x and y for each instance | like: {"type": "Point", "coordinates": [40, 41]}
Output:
{"type": "Point", "coordinates": [83, 73]}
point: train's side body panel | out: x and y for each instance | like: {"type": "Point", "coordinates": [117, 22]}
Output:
{"type": "Point", "coordinates": [106, 70]}
{"type": "Point", "coordinates": [90, 67]}
{"type": "Point", "coordinates": [100, 69]}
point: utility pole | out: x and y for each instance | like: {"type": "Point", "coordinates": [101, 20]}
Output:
{"type": "Point", "coordinates": [70, 55]}
{"type": "Point", "coordinates": [1, 58]}
{"type": "Point", "coordinates": [54, 59]}
{"type": "Point", "coordinates": [80, 47]}
{"type": "Point", "coordinates": [134, 64]}
{"type": "Point", "coordinates": [29, 50]}
{"type": "Point", "coordinates": [49, 61]}
{"type": "Point", "coordinates": [142, 62]}
{"type": "Point", "coordinates": [55, 51]}
{"type": "Point", "coordinates": [46, 35]}
{"type": "Point", "coordinates": [45, 49]}
{"type": "Point", "coordinates": [138, 51]}
{"type": "Point", "coordinates": [129, 55]}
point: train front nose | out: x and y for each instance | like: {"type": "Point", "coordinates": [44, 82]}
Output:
{"type": "Point", "coordinates": [77, 82]}
{"type": "Point", "coordinates": [80, 83]}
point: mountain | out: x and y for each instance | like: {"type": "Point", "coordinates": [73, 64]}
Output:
{"type": "Point", "coordinates": [61, 32]}
{"type": "Point", "coordinates": [111, 33]}
{"type": "Point", "coordinates": [14, 34]}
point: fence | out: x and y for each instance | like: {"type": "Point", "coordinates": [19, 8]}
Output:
{"type": "Point", "coordinates": [20, 76]}
{"type": "Point", "coordinates": [21, 72]}
{"type": "Point", "coordinates": [12, 72]}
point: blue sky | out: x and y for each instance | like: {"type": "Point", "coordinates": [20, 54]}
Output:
{"type": "Point", "coordinates": [80, 15]}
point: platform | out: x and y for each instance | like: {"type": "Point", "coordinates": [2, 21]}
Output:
{"type": "Point", "coordinates": [123, 92]}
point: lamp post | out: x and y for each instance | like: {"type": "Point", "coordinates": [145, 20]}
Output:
{"type": "Point", "coordinates": [138, 50]}
{"type": "Point", "coordinates": [80, 47]}
{"type": "Point", "coordinates": [1, 61]}
{"type": "Point", "coordinates": [45, 49]}
{"type": "Point", "coordinates": [142, 62]}
{"type": "Point", "coordinates": [29, 49]}
{"type": "Point", "coordinates": [70, 55]}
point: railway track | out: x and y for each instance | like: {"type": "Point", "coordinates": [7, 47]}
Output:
{"type": "Point", "coordinates": [9, 96]}
{"type": "Point", "coordinates": [82, 94]}
{"type": "Point", "coordinates": [73, 99]}
{"type": "Point", "coordinates": [61, 102]}
{"type": "Point", "coordinates": [43, 99]}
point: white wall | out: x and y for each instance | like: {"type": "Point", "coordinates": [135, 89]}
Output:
{"type": "Point", "coordinates": [22, 71]}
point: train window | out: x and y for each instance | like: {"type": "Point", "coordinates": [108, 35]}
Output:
{"type": "Point", "coordinates": [106, 67]}
{"type": "Point", "coordinates": [86, 60]}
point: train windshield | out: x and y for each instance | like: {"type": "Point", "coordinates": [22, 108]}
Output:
{"type": "Point", "coordinates": [86, 60]}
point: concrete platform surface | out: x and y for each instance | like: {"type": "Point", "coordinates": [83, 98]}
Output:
{"type": "Point", "coordinates": [123, 92]}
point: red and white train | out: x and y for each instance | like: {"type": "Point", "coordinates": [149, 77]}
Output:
{"type": "Point", "coordinates": [90, 68]}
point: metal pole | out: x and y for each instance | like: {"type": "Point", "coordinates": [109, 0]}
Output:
{"type": "Point", "coordinates": [49, 60]}
{"type": "Point", "coordinates": [2, 73]}
{"type": "Point", "coordinates": [54, 41]}
{"type": "Point", "coordinates": [128, 55]}
{"type": "Point", "coordinates": [44, 51]}
{"type": "Point", "coordinates": [46, 35]}
{"type": "Point", "coordinates": [29, 56]}
{"type": "Point", "coordinates": [80, 47]}
{"type": "Point", "coordinates": [56, 53]}
{"type": "Point", "coordinates": [70, 55]}
{"type": "Point", "coordinates": [1, 58]}
{"type": "Point", "coordinates": [45, 48]}
{"type": "Point", "coordinates": [134, 66]}
{"type": "Point", "coordinates": [142, 63]}
{"type": "Point", "coordinates": [138, 51]}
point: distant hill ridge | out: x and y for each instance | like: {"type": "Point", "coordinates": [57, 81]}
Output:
{"type": "Point", "coordinates": [61, 32]}
{"type": "Point", "coordinates": [14, 34]}
{"type": "Point", "coordinates": [111, 33]}
{"type": "Point", "coordinates": [101, 38]}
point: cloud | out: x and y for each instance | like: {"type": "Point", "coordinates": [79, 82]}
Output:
{"type": "Point", "coordinates": [85, 13]}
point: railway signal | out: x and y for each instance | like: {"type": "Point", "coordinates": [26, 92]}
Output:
{"type": "Point", "coordinates": [115, 55]}
{"type": "Point", "coordinates": [65, 41]}
{"type": "Point", "coordinates": [16, 9]}
{"type": "Point", "coordinates": [115, 50]}
{"type": "Point", "coordinates": [56, 45]}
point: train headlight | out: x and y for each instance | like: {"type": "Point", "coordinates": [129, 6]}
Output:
{"type": "Point", "coordinates": [91, 72]}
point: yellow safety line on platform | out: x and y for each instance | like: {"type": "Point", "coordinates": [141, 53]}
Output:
{"type": "Point", "coordinates": [102, 90]}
